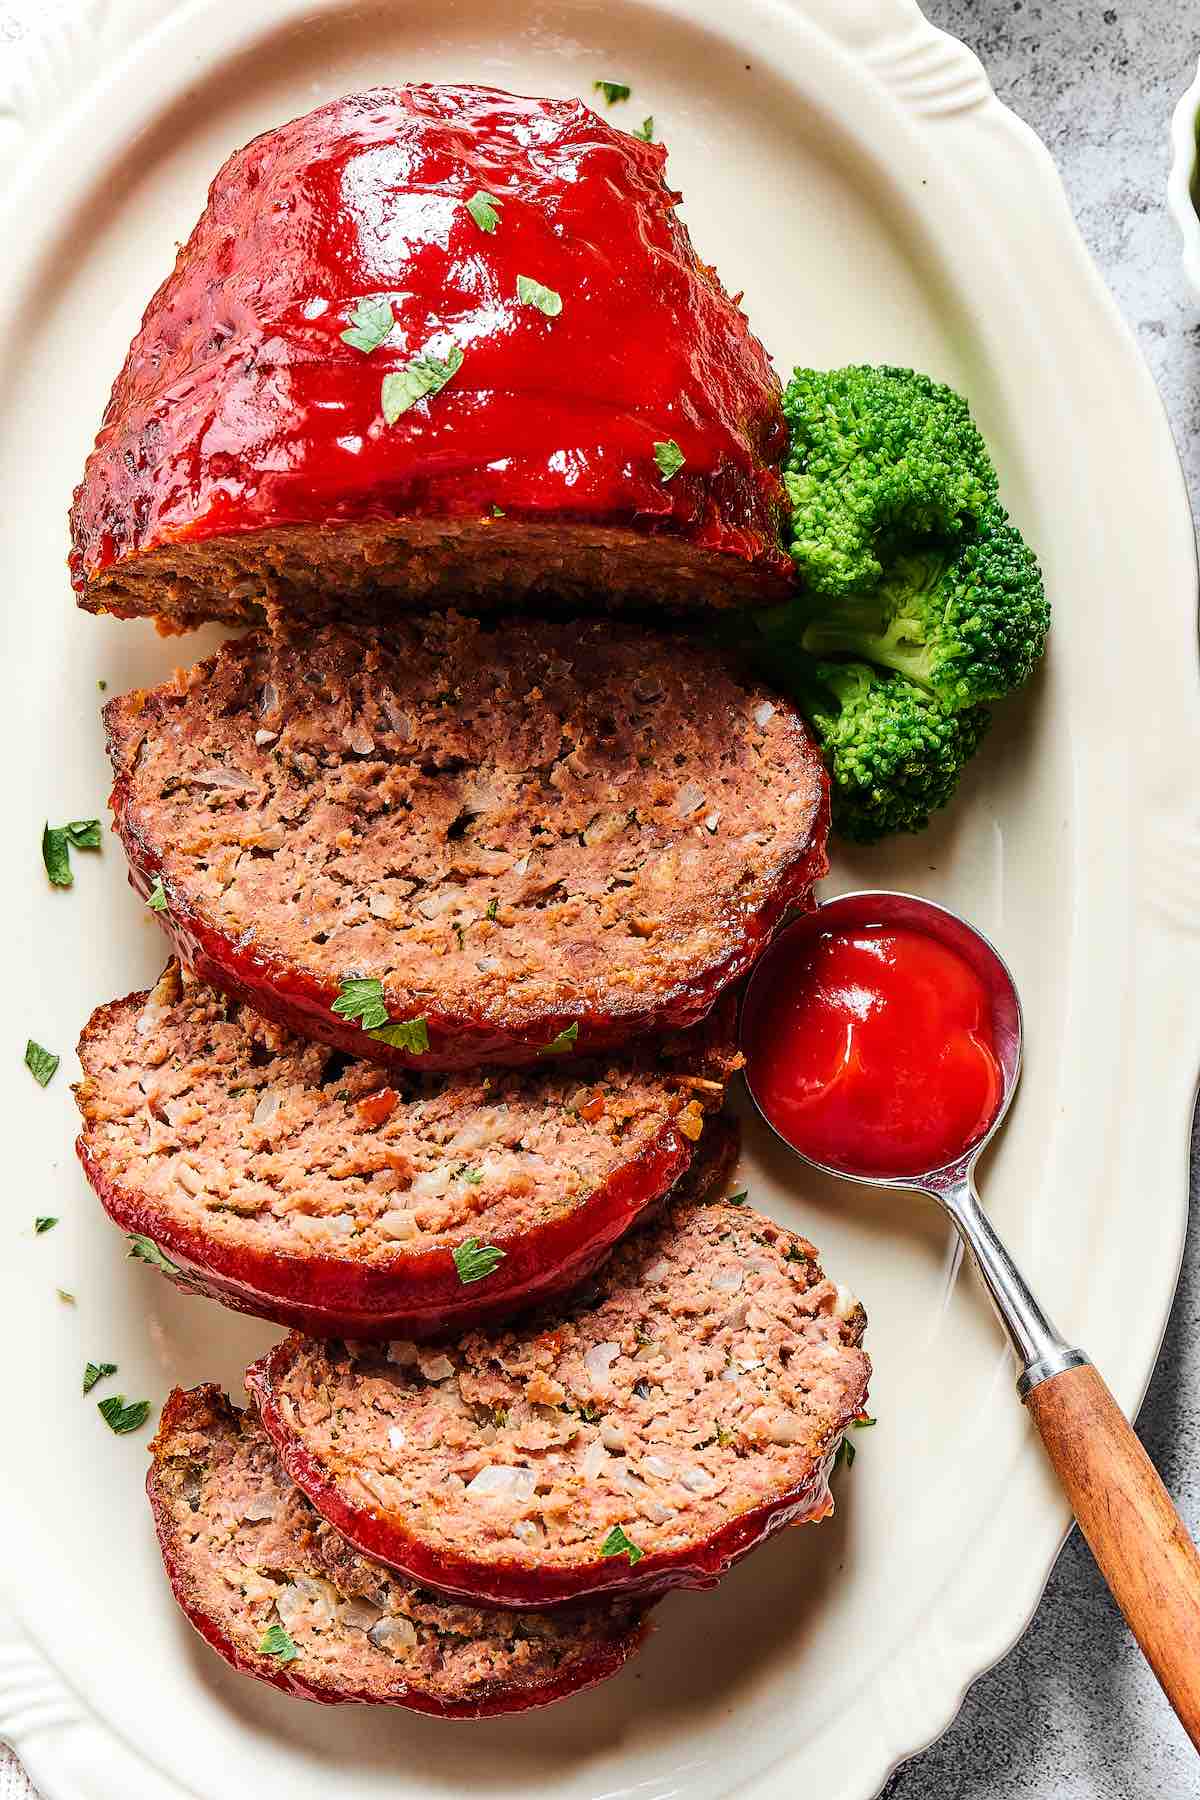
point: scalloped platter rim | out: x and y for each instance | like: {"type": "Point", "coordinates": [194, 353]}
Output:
{"type": "Point", "coordinates": [851, 167]}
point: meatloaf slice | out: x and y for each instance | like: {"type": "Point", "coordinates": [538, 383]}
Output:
{"type": "Point", "coordinates": [463, 845]}
{"type": "Point", "coordinates": [644, 1437]}
{"type": "Point", "coordinates": [582, 411]}
{"type": "Point", "coordinates": [280, 1596]}
{"type": "Point", "coordinates": [281, 1178]}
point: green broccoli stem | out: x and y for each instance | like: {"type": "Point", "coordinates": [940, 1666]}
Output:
{"type": "Point", "coordinates": [888, 649]}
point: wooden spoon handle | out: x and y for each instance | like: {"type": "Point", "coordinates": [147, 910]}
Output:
{"type": "Point", "coordinates": [1136, 1536]}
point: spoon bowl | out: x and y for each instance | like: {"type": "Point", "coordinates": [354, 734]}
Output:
{"type": "Point", "coordinates": [875, 907]}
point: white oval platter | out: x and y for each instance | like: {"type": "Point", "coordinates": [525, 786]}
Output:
{"type": "Point", "coordinates": [849, 166]}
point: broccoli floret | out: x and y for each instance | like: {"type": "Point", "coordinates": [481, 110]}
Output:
{"type": "Point", "coordinates": [894, 755]}
{"type": "Point", "coordinates": [969, 623]}
{"type": "Point", "coordinates": [879, 457]}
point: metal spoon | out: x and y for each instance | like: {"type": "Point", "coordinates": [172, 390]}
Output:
{"type": "Point", "coordinates": [1140, 1543]}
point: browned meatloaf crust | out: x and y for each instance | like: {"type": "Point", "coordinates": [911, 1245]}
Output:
{"type": "Point", "coordinates": [287, 1181]}
{"type": "Point", "coordinates": [647, 1435]}
{"type": "Point", "coordinates": [247, 1556]}
{"type": "Point", "coordinates": [538, 838]}
{"type": "Point", "coordinates": [246, 459]}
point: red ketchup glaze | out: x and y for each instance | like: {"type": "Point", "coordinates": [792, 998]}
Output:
{"type": "Point", "coordinates": [872, 1048]}
{"type": "Point", "coordinates": [241, 408]}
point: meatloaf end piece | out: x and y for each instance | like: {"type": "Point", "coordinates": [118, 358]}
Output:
{"type": "Point", "coordinates": [280, 1596]}
{"type": "Point", "coordinates": [646, 1436]}
{"type": "Point", "coordinates": [537, 839]}
{"type": "Point", "coordinates": [286, 1181]}
{"type": "Point", "coordinates": [566, 404]}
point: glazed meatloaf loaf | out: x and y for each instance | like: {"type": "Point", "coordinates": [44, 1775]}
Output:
{"type": "Point", "coordinates": [280, 1596]}
{"type": "Point", "coordinates": [288, 1181]}
{"type": "Point", "coordinates": [465, 845]}
{"type": "Point", "coordinates": [646, 1436]}
{"type": "Point", "coordinates": [434, 342]}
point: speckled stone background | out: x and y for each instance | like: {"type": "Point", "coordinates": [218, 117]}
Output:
{"type": "Point", "coordinates": [1072, 1713]}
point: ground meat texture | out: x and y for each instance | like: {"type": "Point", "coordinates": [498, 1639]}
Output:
{"type": "Point", "coordinates": [647, 1436]}
{"type": "Point", "coordinates": [245, 462]}
{"type": "Point", "coordinates": [540, 838]}
{"type": "Point", "coordinates": [246, 1554]}
{"type": "Point", "coordinates": [289, 1182]}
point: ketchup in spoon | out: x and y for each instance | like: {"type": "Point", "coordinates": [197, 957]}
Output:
{"type": "Point", "coordinates": [872, 1049]}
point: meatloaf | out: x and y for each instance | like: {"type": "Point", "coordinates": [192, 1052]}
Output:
{"type": "Point", "coordinates": [463, 845]}
{"type": "Point", "coordinates": [287, 1181]}
{"type": "Point", "coordinates": [435, 342]}
{"type": "Point", "coordinates": [280, 1596]}
{"type": "Point", "coordinates": [645, 1436]}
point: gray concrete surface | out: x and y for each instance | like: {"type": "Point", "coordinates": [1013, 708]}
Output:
{"type": "Point", "coordinates": [1072, 1713]}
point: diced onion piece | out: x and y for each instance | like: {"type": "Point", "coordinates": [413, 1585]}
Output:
{"type": "Point", "coordinates": [393, 1633]}
{"type": "Point", "coordinates": [697, 1481]}
{"type": "Point", "coordinates": [307, 1599]}
{"type": "Point", "coordinates": [267, 1107]}
{"type": "Point", "coordinates": [359, 1614]}
{"type": "Point", "coordinates": [397, 1224]}
{"type": "Point", "coordinates": [595, 1458]}
{"type": "Point", "coordinates": [263, 1506]}
{"type": "Point", "coordinates": [506, 1481]}
{"type": "Point", "coordinates": [598, 1360]}
{"type": "Point", "coordinates": [232, 780]}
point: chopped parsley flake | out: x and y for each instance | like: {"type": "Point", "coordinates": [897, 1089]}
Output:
{"type": "Point", "coordinates": [646, 130]}
{"type": "Point", "coordinates": [482, 208]}
{"type": "Point", "coordinates": [845, 1455]}
{"type": "Point", "coordinates": [44, 1224]}
{"type": "Point", "coordinates": [738, 1199]}
{"type": "Point", "coordinates": [404, 1034]}
{"type": "Point", "coordinates": [144, 1249]}
{"type": "Point", "coordinates": [533, 293]}
{"type": "Point", "coordinates": [493, 907]}
{"type": "Point", "coordinates": [59, 840]}
{"type": "Point", "coordinates": [94, 1372]}
{"type": "Point", "coordinates": [158, 898]}
{"type": "Point", "coordinates": [612, 90]}
{"type": "Point", "coordinates": [565, 1041]}
{"type": "Point", "coordinates": [474, 1176]}
{"type": "Point", "coordinates": [120, 1417]}
{"type": "Point", "coordinates": [40, 1062]}
{"type": "Point", "coordinates": [277, 1643]}
{"type": "Point", "coordinates": [371, 323]}
{"type": "Point", "coordinates": [670, 458]}
{"type": "Point", "coordinates": [474, 1260]}
{"type": "Point", "coordinates": [102, 685]}
{"type": "Point", "coordinates": [618, 1544]}
{"type": "Point", "coordinates": [861, 1424]}
{"type": "Point", "coordinates": [497, 512]}
{"type": "Point", "coordinates": [425, 374]}
{"type": "Point", "coordinates": [361, 998]}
